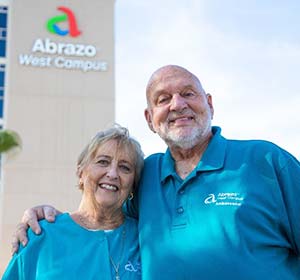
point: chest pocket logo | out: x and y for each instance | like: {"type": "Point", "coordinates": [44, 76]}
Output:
{"type": "Point", "coordinates": [130, 267]}
{"type": "Point", "coordinates": [225, 199]}
{"type": "Point", "coordinates": [210, 199]}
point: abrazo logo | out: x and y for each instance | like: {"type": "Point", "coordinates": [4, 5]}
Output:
{"type": "Point", "coordinates": [47, 53]}
{"type": "Point", "coordinates": [53, 27]}
{"type": "Point", "coordinates": [225, 199]}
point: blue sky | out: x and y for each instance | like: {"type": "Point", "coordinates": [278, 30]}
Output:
{"type": "Point", "coordinates": [246, 54]}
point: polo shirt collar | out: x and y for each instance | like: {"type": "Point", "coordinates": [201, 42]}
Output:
{"type": "Point", "coordinates": [212, 159]}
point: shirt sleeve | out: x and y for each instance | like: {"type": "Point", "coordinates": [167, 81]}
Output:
{"type": "Point", "coordinates": [289, 177]}
{"type": "Point", "coordinates": [14, 270]}
{"type": "Point", "coordinates": [22, 266]}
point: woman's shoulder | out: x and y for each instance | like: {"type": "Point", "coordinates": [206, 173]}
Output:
{"type": "Point", "coordinates": [131, 222]}
{"type": "Point", "coordinates": [62, 222]}
{"type": "Point", "coordinates": [60, 219]}
{"type": "Point", "coordinates": [129, 219]}
{"type": "Point", "coordinates": [46, 227]}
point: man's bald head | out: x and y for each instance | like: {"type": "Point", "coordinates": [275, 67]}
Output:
{"type": "Point", "coordinates": [167, 72]}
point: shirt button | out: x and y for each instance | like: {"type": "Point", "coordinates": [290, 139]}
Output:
{"type": "Point", "coordinates": [181, 191]}
{"type": "Point", "coordinates": [180, 210]}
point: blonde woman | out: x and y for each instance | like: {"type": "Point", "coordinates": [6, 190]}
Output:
{"type": "Point", "coordinates": [97, 241]}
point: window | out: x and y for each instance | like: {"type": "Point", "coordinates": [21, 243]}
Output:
{"type": "Point", "coordinates": [3, 30]}
{"type": "Point", "coordinates": [2, 80]}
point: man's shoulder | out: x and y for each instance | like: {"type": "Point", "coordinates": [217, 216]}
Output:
{"type": "Point", "coordinates": [260, 150]}
{"type": "Point", "coordinates": [153, 159]}
{"type": "Point", "coordinates": [257, 144]}
{"type": "Point", "coordinates": [152, 168]}
{"type": "Point", "coordinates": [154, 156]}
{"type": "Point", "coordinates": [250, 142]}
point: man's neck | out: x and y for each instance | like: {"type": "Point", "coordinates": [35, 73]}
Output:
{"type": "Point", "coordinates": [187, 159]}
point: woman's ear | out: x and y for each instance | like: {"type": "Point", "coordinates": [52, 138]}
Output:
{"type": "Point", "coordinates": [79, 174]}
{"type": "Point", "coordinates": [79, 171]}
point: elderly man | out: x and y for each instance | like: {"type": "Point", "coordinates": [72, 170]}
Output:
{"type": "Point", "coordinates": [210, 208]}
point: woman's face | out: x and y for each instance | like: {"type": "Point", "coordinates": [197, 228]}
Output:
{"type": "Point", "coordinates": [108, 178]}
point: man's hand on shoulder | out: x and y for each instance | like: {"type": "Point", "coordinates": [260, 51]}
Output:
{"type": "Point", "coordinates": [30, 219]}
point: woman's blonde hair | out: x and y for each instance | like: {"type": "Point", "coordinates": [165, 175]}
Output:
{"type": "Point", "coordinates": [121, 135]}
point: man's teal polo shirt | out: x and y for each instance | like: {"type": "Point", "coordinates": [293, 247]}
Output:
{"type": "Point", "coordinates": [236, 216]}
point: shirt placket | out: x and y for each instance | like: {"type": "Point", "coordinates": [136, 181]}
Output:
{"type": "Point", "coordinates": [180, 213]}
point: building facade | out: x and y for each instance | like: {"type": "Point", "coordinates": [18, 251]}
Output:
{"type": "Point", "coordinates": [56, 91]}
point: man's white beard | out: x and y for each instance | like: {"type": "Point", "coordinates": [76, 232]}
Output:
{"type": "Point", "coordinates": [174, 138]}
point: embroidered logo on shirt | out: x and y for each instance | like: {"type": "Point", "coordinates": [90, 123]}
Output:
{"type": "Point", "coordinates": [224, 199]}
{"type": "Point", "coordinates": [133, 268]}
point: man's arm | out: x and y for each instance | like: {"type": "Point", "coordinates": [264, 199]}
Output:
{"type": "Point", "coordinates": [30, 218]}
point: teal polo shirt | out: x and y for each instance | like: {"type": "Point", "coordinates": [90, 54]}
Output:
{"type": "Point", "coordinates": [236, 216]}
{"type": "Point", "coordinates": [65, 250]}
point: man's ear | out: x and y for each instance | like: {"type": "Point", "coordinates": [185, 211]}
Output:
{"type": "Point", "coordinates": [148, 118]}
{"type": "Point", "coordinates": [210, 104]}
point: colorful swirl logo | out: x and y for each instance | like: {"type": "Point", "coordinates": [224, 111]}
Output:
{"type": "Point", "coordinates": [52, 24]}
